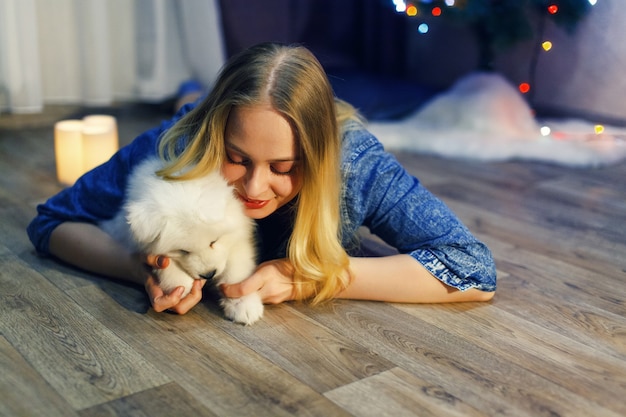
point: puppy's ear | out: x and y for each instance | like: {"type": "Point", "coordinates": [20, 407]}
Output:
{"type": "Point", "coordinates": [145, 228]}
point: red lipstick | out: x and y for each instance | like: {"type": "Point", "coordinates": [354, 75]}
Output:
{"type": "Point", "coordinates": [253, 204]}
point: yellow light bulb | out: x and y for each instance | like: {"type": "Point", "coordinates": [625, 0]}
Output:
{"type": "Point", "coordinates": [599, 129]}
{"type": "Point", "coordinates": [547, 45]}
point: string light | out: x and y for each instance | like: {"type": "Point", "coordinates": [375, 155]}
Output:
{"type": "Point", "coordinates": [411, 9]}
{"type": "Point", "coordinates": [524, 88]}
{"type": "Point", "coordinates": [400, 6]}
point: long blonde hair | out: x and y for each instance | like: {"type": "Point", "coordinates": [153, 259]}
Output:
{"type": "Point", "coordinates": [297, 87]}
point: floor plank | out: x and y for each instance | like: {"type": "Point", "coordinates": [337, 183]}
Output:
{"type": "Point", "coordinates": [482, 377]}
{"type": "Point", "coordinates": [79, 357]}
{"type": "Point", "coordinates": [225, 376]}
{"type": "Point", "coordinates": [322, 359]}
{"type": "Point", "coordinates": [24, 392]}
{"type": "Point", "coordinates": [577, 366]}
{"type": "Point", "coordinates": [163, 401]}
{"type": "Point", "coordinates": [399, 393]}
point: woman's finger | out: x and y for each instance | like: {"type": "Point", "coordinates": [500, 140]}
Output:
{"type": "Point", "coordinates": [191, 299]}
{"type": "Point", "coordinates": [249, 285]}
{"type": "Point", "coordinates": [157, 261]}
{"type": "Point", "coordinates": [162, 301]}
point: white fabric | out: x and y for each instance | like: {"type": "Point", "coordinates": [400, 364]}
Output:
{"type": "Point", "coordinates": [483, 117]}
{"type": "Point", "coordinates": [99, 51]}
{"type": "Point", "coordinates": [20, 76]}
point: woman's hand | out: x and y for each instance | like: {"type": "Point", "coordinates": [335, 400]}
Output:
{"type": "Point", "coordinates": [87, 246]}
{"type": "Point", "coordinates": [273, 280]}
{"type": "Point", "coordinates": [172, 301]}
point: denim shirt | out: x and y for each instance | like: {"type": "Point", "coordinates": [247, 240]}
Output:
{"type": "Point", "coordinates": [380, 194]}
{"type": "Point", "coordinates": [377, 193]}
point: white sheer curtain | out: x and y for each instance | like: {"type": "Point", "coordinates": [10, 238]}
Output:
{"type": "Point", "coordinates": [95, 52]}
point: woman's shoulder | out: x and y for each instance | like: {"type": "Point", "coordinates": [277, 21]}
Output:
{"type": "Point", "coordinates": [146, 144]}
{"type": "Point", "coordinates": [357, 140]}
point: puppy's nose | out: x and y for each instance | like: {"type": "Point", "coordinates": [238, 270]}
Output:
{"type": "Point", "coordinates": [208, 275]}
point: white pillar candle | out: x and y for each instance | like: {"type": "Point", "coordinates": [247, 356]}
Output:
{"type": "Point", "coordinates": [100, 140]}
{"type": "Point", "coordinates": [68, 150]}
{"type": "Point", "coordinates": [81, 145]}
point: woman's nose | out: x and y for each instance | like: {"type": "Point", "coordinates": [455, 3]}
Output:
{"type": "Point", "coordinates": [256, 182]}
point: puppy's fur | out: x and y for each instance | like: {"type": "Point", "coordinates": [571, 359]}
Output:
{"type": "Point", "coordinates": [199, 224]}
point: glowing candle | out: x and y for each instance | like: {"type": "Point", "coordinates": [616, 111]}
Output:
{"type": "Point", "coordinates": [100, 140]}
{"type": "Point", "coordinates": [68, 150]}
{"type": "Point", "coordinates": [81, 145]}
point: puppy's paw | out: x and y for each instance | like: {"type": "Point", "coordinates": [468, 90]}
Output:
{"type": "Point", "coordinates": [245, 310]}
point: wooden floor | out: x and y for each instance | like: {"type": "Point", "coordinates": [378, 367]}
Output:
{"type": "Point", "coordinates": [551, 343]}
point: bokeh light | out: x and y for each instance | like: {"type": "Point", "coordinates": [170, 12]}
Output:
{"type": "Point", "coordinates": [524, 88]}
{"type": "Point", "coordinates": [400, 6]}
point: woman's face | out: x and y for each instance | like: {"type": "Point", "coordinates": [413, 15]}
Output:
{"type": "Point", "coordinates": [262, 159]}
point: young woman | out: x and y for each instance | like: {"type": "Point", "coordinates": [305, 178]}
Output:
{"type": "Point", "coordinates": [307, 171]}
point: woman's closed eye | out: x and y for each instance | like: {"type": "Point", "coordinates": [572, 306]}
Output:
{"type": "Point", "coordinates": [278, 168]}
{"type": "Point", "coordinates": [283, 168]}
{"type": "Point", "coordinates": [236, 159]}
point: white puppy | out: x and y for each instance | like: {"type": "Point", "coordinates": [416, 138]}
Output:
{"type": "Point", "coordinates": [199, 224]}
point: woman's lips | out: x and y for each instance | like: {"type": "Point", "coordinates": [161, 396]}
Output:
{"type": "Point", "coordinates": [253, 204]}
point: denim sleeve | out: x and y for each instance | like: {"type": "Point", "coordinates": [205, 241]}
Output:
{"type": "Point", "coordinates": [99, 193]}
{"type": "Point", "coordinates": [381, 195]}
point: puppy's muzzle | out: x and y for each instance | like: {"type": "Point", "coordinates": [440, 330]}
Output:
{"type": "Point", "coordinates": [208, 275]}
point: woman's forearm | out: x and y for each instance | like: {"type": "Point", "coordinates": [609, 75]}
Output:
{"type": "Point", "coordinates": [88, 247]}
{"type": "Point", "coordinates": [400, 278]}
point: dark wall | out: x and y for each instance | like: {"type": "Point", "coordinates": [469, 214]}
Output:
{"type": "Point", "coordinates": [356, 34]}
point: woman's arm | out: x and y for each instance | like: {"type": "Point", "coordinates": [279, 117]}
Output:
{"type": "Point", "coordinates": [400, 278]}
{"type": "Point", "coordinates": [88, 247]}
{"type": "Point", "coordinates": [397, 278]}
